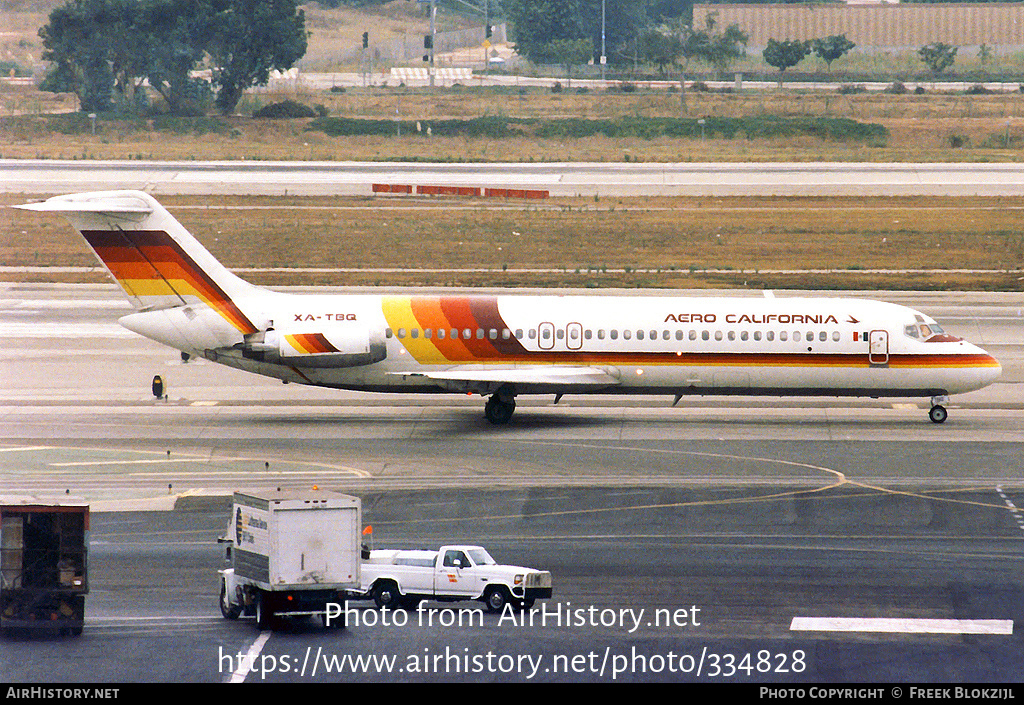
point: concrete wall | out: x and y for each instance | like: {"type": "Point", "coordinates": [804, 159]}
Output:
{"type": "Point", "coordinates": [887, 26]}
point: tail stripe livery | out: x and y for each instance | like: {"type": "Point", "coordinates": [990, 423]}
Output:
{"type": "Point", "coordinates": [150, 263]}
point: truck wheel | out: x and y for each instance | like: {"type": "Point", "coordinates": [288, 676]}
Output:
{"type": "Point", "coordinates": [230, 611]}
{"type": "Point", "coordinates": [264, 612]}
{"type": "Point", "coordinates": [386, 595]}
{"type": "Point", "coordinates": [496, 598]}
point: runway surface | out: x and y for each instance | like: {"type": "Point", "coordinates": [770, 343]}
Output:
{"type": "Point", "coordinates": [686, 543]}
{"type": "Point", "coordinates": [559, 179]}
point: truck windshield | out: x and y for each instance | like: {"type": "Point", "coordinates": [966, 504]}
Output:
{"type": "Point", "coordinates": [481, 557]}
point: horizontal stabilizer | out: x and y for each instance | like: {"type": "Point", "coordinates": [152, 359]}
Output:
{"type": "Point", "coordinates": [92, 203]}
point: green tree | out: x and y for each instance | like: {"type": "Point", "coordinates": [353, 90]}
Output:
{"type": "Point", "coordinates": [176, 32]}
{"type": "Point", "coordinates": [937, 56]}
{"type": "Point", "coordinates": [831, 48]}
{"type": "Point", "coordinates": [782, 55]}
{"type": "Point", "coordinates": [85, 42]}
{"type": "Point", "coordinates": [569, 53]}
{"type": "Point", "coordinates": [659, 48]}
{"type": "Point", "coordinates": [251, 38]}
{"type": "Point", "coordinates": [538, 23]}
{"type": "Point", "coordinates": [723, 47]}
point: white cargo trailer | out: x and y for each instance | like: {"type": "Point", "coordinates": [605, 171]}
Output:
{"type": "Point", "coordinates": [291, 554]}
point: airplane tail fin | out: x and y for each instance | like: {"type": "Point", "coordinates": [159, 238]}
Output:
{"type": "Point", "coordinates": [157, 262]}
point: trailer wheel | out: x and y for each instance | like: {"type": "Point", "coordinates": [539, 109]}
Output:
{"type": "Point", "coordinates": [229, 610]}
{"type": "Point", "coordinates": [496, 598]}
{"type": "Point", "coordinates": [386, 595]}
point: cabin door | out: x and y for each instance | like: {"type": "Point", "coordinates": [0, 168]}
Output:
{"type": "Point", "coordinates": [878, 348]}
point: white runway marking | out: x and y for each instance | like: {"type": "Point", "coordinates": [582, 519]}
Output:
{"type": "Point", "coordinates": [90, 463]}
{"type": "Point", "coordinates": [247, 663]}
{"type": "Point", "coordinates": [902, 626]}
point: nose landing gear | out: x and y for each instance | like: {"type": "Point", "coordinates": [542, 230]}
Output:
{"type": "Point", "coordinates": [938, 413]}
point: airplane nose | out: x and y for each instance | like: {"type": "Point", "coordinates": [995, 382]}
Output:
{"type": "Point", "coordinates": [993, 371]}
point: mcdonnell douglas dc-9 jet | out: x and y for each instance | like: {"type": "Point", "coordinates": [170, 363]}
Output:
{"type": "Point", "coordinates": [508, 345]}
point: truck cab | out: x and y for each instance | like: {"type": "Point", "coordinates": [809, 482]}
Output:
{"type": "Point", "coordinates": [403, 578]}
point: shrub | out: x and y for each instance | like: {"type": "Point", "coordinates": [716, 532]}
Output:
{"type": "Point", "coordinates": [284, 110]}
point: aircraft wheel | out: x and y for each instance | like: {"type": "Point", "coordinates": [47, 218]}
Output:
{"type": "Point", "coordinates": [499, 412]}
{"type": "Point", "coordinates": [938, 414]}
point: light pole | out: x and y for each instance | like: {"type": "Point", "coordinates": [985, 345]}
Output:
{"type": "Point", "coordinates": [604, 57]}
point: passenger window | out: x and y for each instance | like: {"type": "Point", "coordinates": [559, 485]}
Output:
{"type": "Point", "coordinates": [693, 335]}
{"type": "Point", "coordinates": [718, 335]}
{"type": "Point", "coordinates": [626, 335]}
{"type": "Point", "coordinates": [704, 335]}
{"type": "Point", "coordinates": [388, 333]}
{"type": "Point", "coordinates": [493, 334]}
{"type": "Point", "coordinates": [770, 335]}
{"type": "Point", "coordinates": [744, 335]}
{"type": "Point", "coordinates": [823, 336]}
{"type": "Point", "coordinates": [440, 333]}
{"type": "Point", "coordinates": [401, 332]}
{"type": "Point", "coordinates": [415, 332]}
{"type": "Point", "coordinates": [600, 334]}
{"type": "Point", "coordinates": [479, 333]}
{"type": "Point", "coordinates": [467, 333]}
{"type": "Point", "coordinates": [796, 336]}
{"type": "Point", "coordinates": [679, 335]}
{"type": "Point", "coordinates": [836, 336]}
{"type": "Point", "coordinates": [783, 335]}
{"type": "Point", "coordinates": [639, 335]}
{"type": "Point", "coordinates": [614, 334]}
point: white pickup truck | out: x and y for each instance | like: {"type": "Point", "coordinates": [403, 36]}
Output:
{"type": "Point", "coordinates": [395, 579]}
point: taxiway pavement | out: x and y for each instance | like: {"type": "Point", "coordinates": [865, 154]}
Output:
{"type": "Point", "coordinates": [753, 512]}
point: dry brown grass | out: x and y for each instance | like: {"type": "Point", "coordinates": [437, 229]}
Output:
{"type": "Point", "coordinates": [921, 128]}
{"type": "Point", "coordinates": [617, 242]}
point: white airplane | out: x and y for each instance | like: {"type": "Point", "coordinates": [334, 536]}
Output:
{"type": "Point", "coordinates": [504, 346]}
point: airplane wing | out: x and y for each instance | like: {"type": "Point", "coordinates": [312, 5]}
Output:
{"type": "Point", "coordinates": [535, 379]}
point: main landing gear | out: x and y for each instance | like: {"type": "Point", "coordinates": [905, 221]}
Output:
{"type": "Point", "coordinates": [938, 412]}
{"type": "Point", "coordinates": [499, 409]}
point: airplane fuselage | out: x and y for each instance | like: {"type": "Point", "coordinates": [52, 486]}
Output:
{"type": "Point", "coordinates": [645, 344]}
